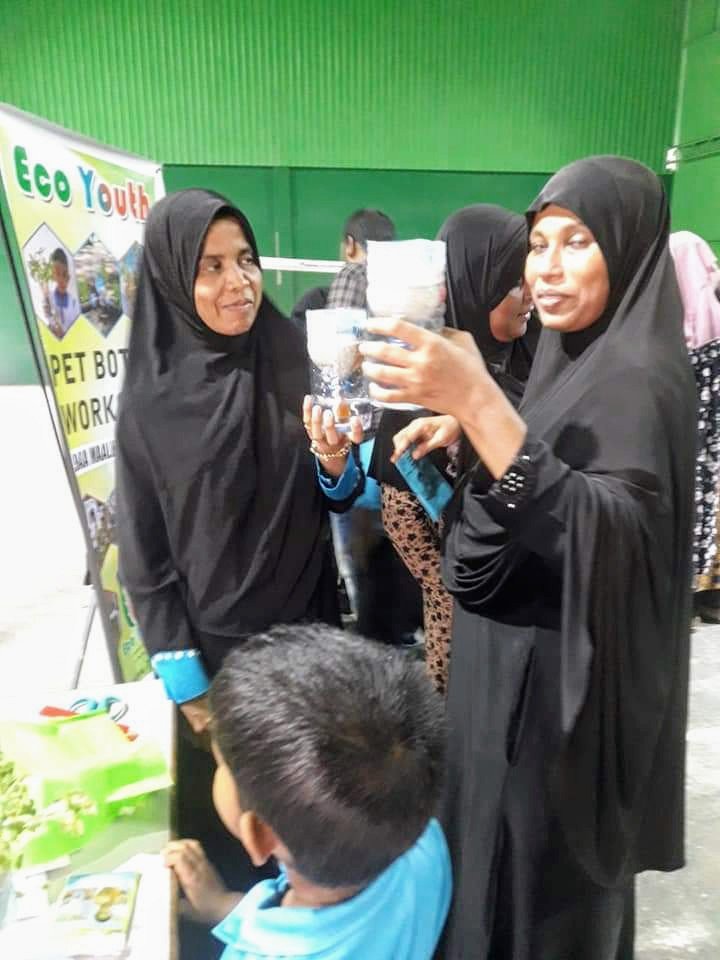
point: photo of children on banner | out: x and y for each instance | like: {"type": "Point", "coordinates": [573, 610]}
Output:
{"type": "Point", "coordinates": [129, 266]}
{"type": "Point", "coordinates": [51, 278]}
{"type": "Point", "coordinates": [98, 276]}
{"type": "Point", "coordinates": [100, 517]}
{"type": "Point", "coordinates": [113, 608]}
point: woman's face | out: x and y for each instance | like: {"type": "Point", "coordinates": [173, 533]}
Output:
{"type": "Point", "coordinates": [228, 285]}
{"type": "Point", "coordinates": [566, 271]}
{"type": "Point", "coordinates": [508, 320]}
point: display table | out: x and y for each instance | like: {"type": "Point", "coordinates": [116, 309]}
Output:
{"type": "Point", "coordinates": [130, 843]}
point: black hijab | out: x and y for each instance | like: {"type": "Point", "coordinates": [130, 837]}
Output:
{"type": "Point", "coordinates": [486, 250]}
{"type": "Point", "coordinates": [616, 404]}
{"type": "Point", "coordinates": [486, 247]}
{"type": "Point", "coordinates": [216, 482]}
{"type": "Point", "coordinates": [313, 299]}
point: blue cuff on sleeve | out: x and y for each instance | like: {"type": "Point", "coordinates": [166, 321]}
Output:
{"type": "Point", "coordinates": [345, 484]}
{"type": "Point", "coordinates": [182, 673]}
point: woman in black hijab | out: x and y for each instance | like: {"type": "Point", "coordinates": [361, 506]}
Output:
{"type": "Point", "coordinates": [485, 255]}
{"type": "Point", "coordinates": [568, 554]}
{"type": "Point", "coordinates": [486, 249]}
{"type": "Point", "coordinates": [222, 524]}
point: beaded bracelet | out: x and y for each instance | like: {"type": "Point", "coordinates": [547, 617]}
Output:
{"type": "Point", "coordinates": [338, 455]}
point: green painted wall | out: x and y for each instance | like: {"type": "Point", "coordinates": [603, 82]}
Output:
{"type": "Point", "coordinates": [303, 110]}
{"type": "Point", "coordinates": [300, 212]}
{"type": "Point", "coordinates": [401, 84]}
{"type": "Point", "coordinates": [696, 193]}
{"type": "Point", "coordinates": [16, 363]}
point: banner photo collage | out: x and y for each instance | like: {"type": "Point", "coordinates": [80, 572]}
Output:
{"type": "Point", "coordinates": [77, 212]}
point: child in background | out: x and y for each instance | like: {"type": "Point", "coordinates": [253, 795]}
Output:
{"type": "Point", "coordinates": [63, 306]}
{"type": "Point", "coordinates": [330, 753]}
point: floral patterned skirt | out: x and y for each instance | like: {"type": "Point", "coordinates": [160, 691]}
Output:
{"type": "Point", "coordinates": [417, 540]}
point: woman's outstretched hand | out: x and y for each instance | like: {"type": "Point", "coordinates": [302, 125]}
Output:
{"type": "Point", "coordinates": [326, 440]}
{"type": "Point", "coordinates": [197, 713]}
{"type": "Point", "coordinates": [439, 371]}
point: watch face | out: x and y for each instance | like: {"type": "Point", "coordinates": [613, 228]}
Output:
{"type": "Point", "coordinates": [515, 486]}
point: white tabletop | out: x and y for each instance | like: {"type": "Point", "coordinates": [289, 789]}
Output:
{"type": "Point", "coordinates": [132, 843]}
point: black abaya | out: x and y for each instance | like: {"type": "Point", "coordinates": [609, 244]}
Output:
{"type": "Point", "coordinates": [568, 683]}
{"type": "Point", "coordinates": [222, 525]}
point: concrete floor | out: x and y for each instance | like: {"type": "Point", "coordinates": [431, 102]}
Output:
{"type": "Point", "coordinates": [43, 608]}
{"type": "Point", "coordinates": [679, 914]}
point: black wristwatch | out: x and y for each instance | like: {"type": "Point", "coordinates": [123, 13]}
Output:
{"type": "Point", "coordinates": [516, 485]}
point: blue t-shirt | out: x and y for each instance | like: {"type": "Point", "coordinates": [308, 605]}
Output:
{"type": "Point", "coordinates": [399, 916]}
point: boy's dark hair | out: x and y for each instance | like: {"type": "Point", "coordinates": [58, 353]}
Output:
{"type": "Point", "coordinates": [59, 256]}
{"type": "Point", "coordinates": [336, 742]}
{"type": "Point", "coordinates": [364, 225]}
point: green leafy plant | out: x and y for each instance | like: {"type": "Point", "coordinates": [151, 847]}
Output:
{"type": "Point", "coordinates": [21, 821]}
{"type": "Point", "coordinates": [39, 267]}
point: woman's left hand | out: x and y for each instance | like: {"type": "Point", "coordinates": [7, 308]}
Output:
{"type": "Point", "coordinates": [426, 434]}
{"type": "Point", "coordinates": [327, 442]}
{"type": "Point", "coordinates": [440, 371]}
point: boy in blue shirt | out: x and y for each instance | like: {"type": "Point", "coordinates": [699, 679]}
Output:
{"type": "Point", "coordinates": [330, 753]}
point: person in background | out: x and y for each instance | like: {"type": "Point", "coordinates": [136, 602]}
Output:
{"type": "Point", "coordinates": [313, 299]}
{"type": "Point", "coordinates": [349, 287]}
{"type": "Point", "coordinates": [63, 306]}
{"type": "Point", "coordinates": [384, 598]}
{"type": "Point", "coordinates": [486, 250]}
{"type": "Point", "coordinates": [330, 760]}
{"type": "Point", "coordinates": [698, 277]}
{"type": "Point", "coordinates": [222, 512]}
{"type": "Point", "coordinates": [568, 552]}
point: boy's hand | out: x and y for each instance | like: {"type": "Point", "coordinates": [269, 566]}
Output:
{"type": "Point", "coordinates": [208, 896]}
